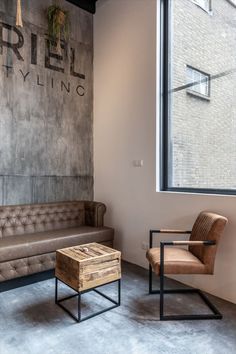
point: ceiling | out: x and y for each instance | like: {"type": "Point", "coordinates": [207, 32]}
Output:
{"type": "Point", "coordinates": [88, 5]}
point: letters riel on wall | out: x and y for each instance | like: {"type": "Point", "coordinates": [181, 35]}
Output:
{"type": "Point", "coordinates": [12, 41]}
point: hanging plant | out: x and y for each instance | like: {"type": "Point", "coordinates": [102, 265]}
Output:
{"type": "Point", "coordinates": [58, 25]}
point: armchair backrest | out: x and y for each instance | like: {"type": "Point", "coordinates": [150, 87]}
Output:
{"type": "Point", "coordinates": [208, 226]}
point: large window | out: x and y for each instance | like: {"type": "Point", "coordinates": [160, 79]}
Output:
{"type": "Point", "coordinates": [198, 97]}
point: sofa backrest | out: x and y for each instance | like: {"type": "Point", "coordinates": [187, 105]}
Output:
{"type": "Point", "coordinates": [29, 218]}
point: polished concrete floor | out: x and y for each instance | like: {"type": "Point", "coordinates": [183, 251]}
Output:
{"type": "Point", "coordinates": [30, 322]}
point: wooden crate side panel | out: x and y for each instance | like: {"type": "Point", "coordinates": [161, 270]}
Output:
{"type": "Point", "coordinates": [98, 274]}
{"type": "Point", "coordinates": [101, 277]}
{"type": "Point", "coordinates": [101, 259]}
{"type": "Point", "coordinates": [67, 270]}
{"type": "Point", "coordinates": [90, 268]}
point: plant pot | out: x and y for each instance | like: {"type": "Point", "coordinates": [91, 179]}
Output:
{"type": "Point", "coordinates": [60, 17]}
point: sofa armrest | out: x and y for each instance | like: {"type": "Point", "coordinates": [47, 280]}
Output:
{"type": "Point", "coordinates": [94, 213]}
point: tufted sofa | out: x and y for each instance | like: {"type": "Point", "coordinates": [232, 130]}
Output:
{"type": "Point", "coordinates": [30, 234]}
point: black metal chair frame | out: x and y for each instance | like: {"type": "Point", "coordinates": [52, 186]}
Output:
{"type": "Point", "coordinates": [216, 315]}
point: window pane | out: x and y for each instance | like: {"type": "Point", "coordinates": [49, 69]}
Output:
{"type": "Point", "coordinates": [197, 81]}
{"type": "Point", "coordinates": [201, 118]}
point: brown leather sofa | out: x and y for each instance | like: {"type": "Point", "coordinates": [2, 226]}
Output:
{"type": "Point", "coordinates": [30, 234]}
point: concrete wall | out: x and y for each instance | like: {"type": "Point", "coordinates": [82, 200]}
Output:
{"type": "Point", "coordinates": [46, 112]}
{"type": "Point", "coordinates": [125, 130]}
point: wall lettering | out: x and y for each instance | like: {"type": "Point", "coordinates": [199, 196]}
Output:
{"type": "Point", "coordinates": [24, 75]}
{"type": "Point", "coordinates": [52, 60]}
{"type": "Point", "coordinates": [49, 55]}
{"type": "Point", "coordinates": [13, 46]}
{"type": "Point", "coordinates": [8, 68]}
{"type": "Point", "coordinates": [63, 86]}
{"type": "Point", "coordinates": [34, 46]}
{"type": "Point", "coordinates": [38, 81]}
{"type": "Point", "coordinates": [80, 90]}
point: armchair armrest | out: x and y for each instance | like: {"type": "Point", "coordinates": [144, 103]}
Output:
{"type": "Point", "coordinates": [169, 231]}
{"type": "Point", "coordinates": [165, 231]}
{"type": "Point", "coordinates": [94, 213]}
{"type": "Point", "coordinates": [190, 243]}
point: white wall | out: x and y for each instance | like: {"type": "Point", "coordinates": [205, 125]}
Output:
{"type": "Point", "coordinates": [125, 130]}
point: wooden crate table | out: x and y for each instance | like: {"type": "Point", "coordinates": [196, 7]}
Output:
{"type": "Point", "coordinates": [85, 268]}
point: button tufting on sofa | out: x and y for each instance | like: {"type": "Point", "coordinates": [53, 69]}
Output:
{"type": "Point", "coordinates": [31, 234]}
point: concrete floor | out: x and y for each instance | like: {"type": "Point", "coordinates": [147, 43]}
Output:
{"type": "Point", "coordinates": [30, 323]}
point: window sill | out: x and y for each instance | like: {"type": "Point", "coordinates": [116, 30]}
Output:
{"type": "Point", "coordinates": [200, 193]}
{"type": "Point", "coordinates": [198, 95]}
{"type": "Point", "coordinates": [209, 12]}
{"type": "Point", "coordinates": [232, 3]}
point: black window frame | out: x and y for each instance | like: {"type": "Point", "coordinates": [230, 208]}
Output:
{"type": "Point", "coordinates": [165, 69]}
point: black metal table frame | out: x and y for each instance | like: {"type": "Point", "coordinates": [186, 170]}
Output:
{"type": "Point", "coordinates": [79, 293]}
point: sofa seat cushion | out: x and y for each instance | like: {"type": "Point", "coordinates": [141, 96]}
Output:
{"type": "Point", "coordinates": [21, 246]}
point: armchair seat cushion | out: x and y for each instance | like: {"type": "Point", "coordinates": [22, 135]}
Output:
{"type": "Point", "coordinates": [176, 261]}
{"type": "Point", "coordinates": [28, 245]}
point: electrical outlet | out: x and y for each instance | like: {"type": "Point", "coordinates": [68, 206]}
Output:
{"type": "Point", "coordinates": [145, 246]}
{"type": "Point", "coordinates": [138, 163]}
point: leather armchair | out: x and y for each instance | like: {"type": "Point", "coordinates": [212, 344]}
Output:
{"type": "Point", "coordinates": [199, 258]}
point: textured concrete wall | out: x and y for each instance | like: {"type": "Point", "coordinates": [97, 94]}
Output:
{"type": "Point", "coordinates": [46, 123]}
